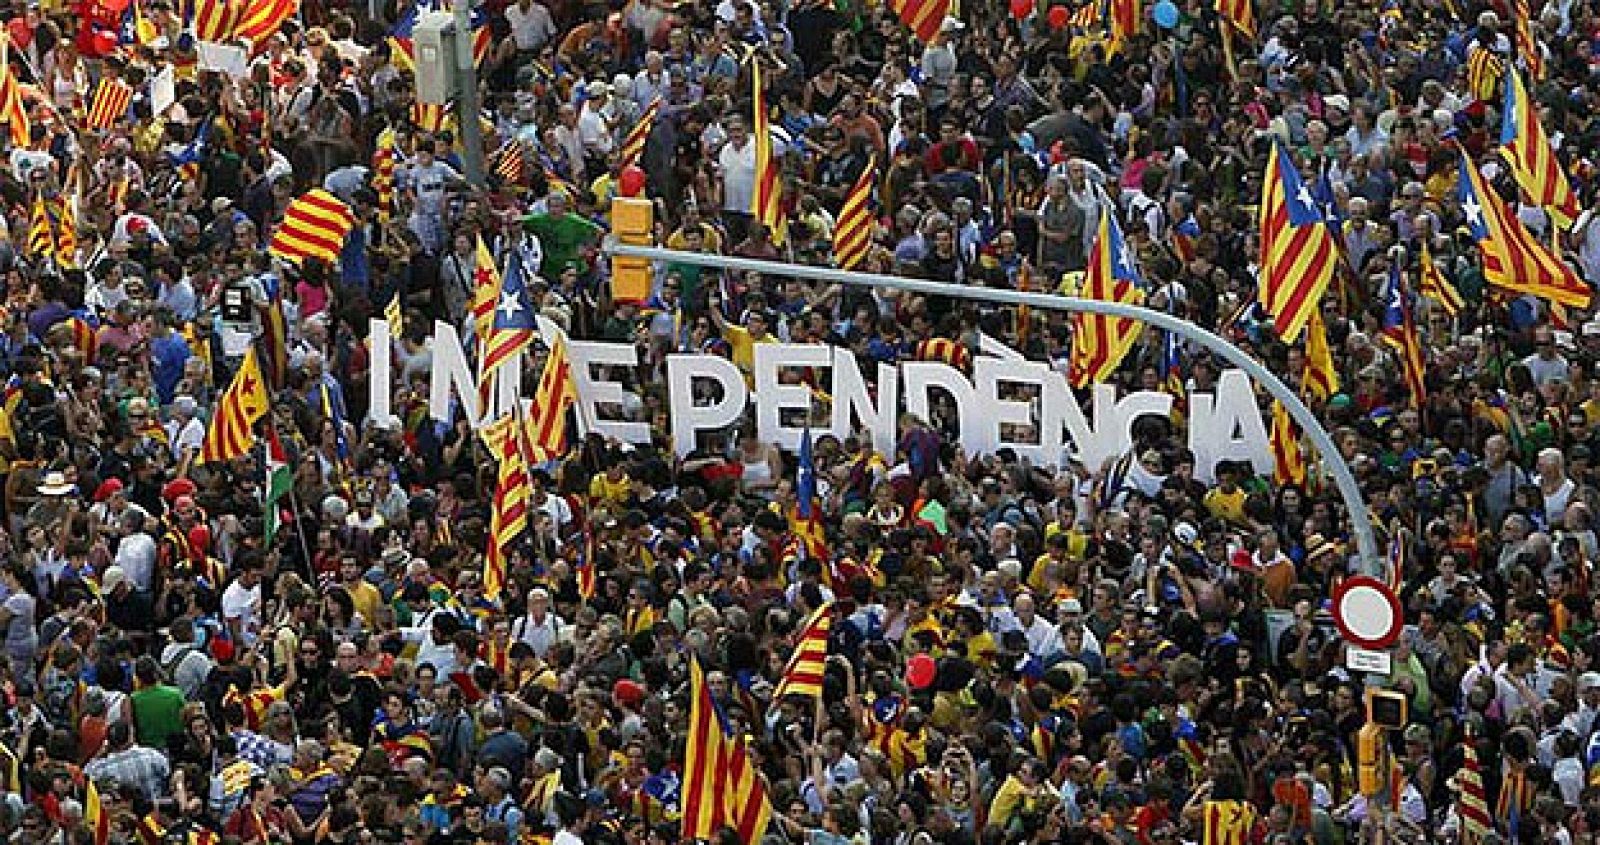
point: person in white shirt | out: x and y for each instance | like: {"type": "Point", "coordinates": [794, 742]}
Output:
{"type": "Point", "coordinates": [736, 165]}
{"type": "Point", "coordinates": [136, 553]}
{"type": "Point", "coordinates": [1554, 484]}
{"type": "Point", "coordinates": [531, 25]}
{"type": "Point", "coordinates": [241, 604]}
{"type": "Point", "coordinates": [185, 431]}
{"type": "Point", "coordinates": [652, 82]}
{"type": "Point", "coordinates": [595, 121]}
{"type": "Point", "coordinates": [540, 628]}
{"type": "Point", "coordinates": [1044, 641]}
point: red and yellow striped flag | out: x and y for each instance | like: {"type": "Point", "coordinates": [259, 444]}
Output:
{"type": "Point", "coordinates": [721, 787]}
{"type": "Point", "coordinates": [1100, 342]}
{"type": "Point", "coordinates": [1473, 807]}
{"type": "Point", "coordinates": [111, 100]}
{"type": "Point", "coordinates": [94, 813]}
{"type": "Point", "coordinates": [767, 198]}
{"type": "Point", "coordinates": [1484, 68]}
{"type": "Point", "coordinates": [383, 165]}
{"type": "Point", "coordinates": [1533, 158]}
{"type": "Point", "coordinates": [1432, 283]}
{"type": "Point", "coordinates": [262, 18]}
{"type": "Point", "coordinates": [314, 226]}
{"type": "Point", "coordinates": [922, 17]}
{"type": "Point", "coordinates": [1126, 17]}
{"type": "Point", "coordinates": [1288, 459]}
{"type": "Point", "coordinates": [1240, 14]}
{"type": "Point", "coordinates": [1522, 37]}
{"type": "Point", "coordinates": [244, 402]}
{"type": "Point", "coordinates": [1298, 253]}
{"type": "Point", "coordinates": [852, 234]}
{"type": "Point", "coordinates": [546, 432]}
{"type": "Point", "coordinates": [41, 234]}
{"type": "Point", "coordinates": [485, 291]}
{"type": "Point", "coordinates": [1400, 334]}
{"type": "Point", "coordinates": [216, 20]}
{"type": "Point", "coordinates": [633, 145]}
{"type": "Point", "coordinates": [802, 675]}
{"type": "Point", "coordinates": [429, 117]}
{"type": "Point", "coordinates": [509, 515]}
{"type": "Point", "coordinates": [13, 111]}
{"type": "Point", "coordinates": [1512, 258]}
{"type": "Point", "coordinates": [1321, 377]}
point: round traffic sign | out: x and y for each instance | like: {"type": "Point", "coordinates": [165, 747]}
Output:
{"type": "Point", "coordinates": [1367, 613]}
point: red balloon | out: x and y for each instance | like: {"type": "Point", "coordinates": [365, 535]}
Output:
{"type": "Point", "coordinates": [1058, 17]}
{"type": "Point", "coordinates": [1021, 9]}
{"type": "Point", "coordinates": [920, 670]}
{"type": "Point", "coordinates": [105, 43]}
{"type": "Point", "coordinates": [114, 5]}
{"type": "Point", "coordinates": [631, 181]}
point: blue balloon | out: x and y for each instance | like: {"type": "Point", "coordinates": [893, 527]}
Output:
{"type": "Point", "coordinates": [1166, 14]}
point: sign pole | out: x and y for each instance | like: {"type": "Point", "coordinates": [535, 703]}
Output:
{"type": "Point", "coordinates": [467, 109]}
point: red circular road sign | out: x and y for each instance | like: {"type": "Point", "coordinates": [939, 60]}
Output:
{"type": "Point", "coordinates": [1367, 613]}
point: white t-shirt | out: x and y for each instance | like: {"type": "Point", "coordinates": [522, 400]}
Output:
{"type": "Point", "coordinates": [531, 28]}
{"type": "Point", "coordinates": [738, 175]}
{"type": "Point", "coordinates": [136, 554]}
{"type": "Point", "coordinates": [244, 604]}
{"type": "Point", "coordinates": [189, 435]}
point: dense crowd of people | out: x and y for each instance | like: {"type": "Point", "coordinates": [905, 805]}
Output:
{"type": "Point", "coordinates": [1018, 653]}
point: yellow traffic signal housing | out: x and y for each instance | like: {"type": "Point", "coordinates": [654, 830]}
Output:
{"type": "Point", "coordinates": [633, 222]}
{"type": "Point", "coordinates": [1370, 772]}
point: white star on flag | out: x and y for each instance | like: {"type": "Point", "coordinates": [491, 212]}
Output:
{"type": "Point", "coordinates": [510, 304]}
{"type": "Point", "coordinates": [1474, 211]}
{"type": "Point", "coordinates": [1303, 196]}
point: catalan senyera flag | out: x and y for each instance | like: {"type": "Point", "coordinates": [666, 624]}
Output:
{"type": "Point", "coordinates": [94, 813]}
{"type": "Point", "coordinates": [1400, 333]}
{"type": "Point", "coordinates": [1533, 159]}
{"type": "Point", "coordinates": [511, 164]}
{"type": "Point", "coordinates": [802, 674]}
{"type": "Point", "coordinates": [1484, 69]}
{"type": "Point", "coordinates": [852, 232]}
{"type": "Point", "coordinates": [216, 20]}
{"type": "Point", "coordinates": [923, 17]}
{"type": "Point", "coordinates": [384, 160]}
{"type": "Point", "coordinates": [1240, 14]}
{"type": "Point", "coordinates": [245, 401]}
{"type": "Point", "coordinates": [1100, 342]}
{"type": "Point", "coordinates": [150, 830]}
{"type": "Point", "coordinates": [546, 433]}
{"type": "Point", "coordinates": [945, 351]}
{"type": "Point", "coordinates": [13, 111]}
{"type": "Point", "coordinates": [1126, 17]}
{"type": "Point", "coordinates": [807, 523]}
{"type": "Point", "coordinates": [1473, 805]}
{"type": "Point", "coordinates": [1512, 258]}
{"type": "Point", "coordinates": [511, 328]}
{"type": "Point", "coordinates": [1522, 38]}
{"type": "Point", "coordinates": [633, 145]}
{"type": "Point", "coordinates": [766, 201]}
{"type": "Point", "coordinates": [429, 117]}
{"type": "Point", "coordinates": [111, 100]}
{"type": "Point", "coordinates": [314, 226]}
{"type": "Point", "coordinates": [1288, 458]}
{"type": "Point", "coordinates": [587, 570]}
{"type": "Point", "coordinates": [721, 787]}
{"type": "Point", "coordinates": [1432, 283]}
{"type": "Point", "coordinates": [508, 516]}
{"type": "Point", "coordinates": [1230, 822]}
{"type": "Point", "coordinates": [1321, 377]}
{"type": "Point", "coordinates": [1298, 253]}
{"type": "Point", "coordinates": [262, 18]}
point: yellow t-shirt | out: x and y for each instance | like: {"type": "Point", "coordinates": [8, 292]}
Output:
{"type": "Point", "coordinates": [1227, 506]}
{"type": "Point", "coordinates": [367, 599]}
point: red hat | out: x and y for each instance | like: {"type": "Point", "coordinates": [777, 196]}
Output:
{"type": "Point", "coordinates": [177, 487]}
{"type": "Point", "coordinates": [1242, 561]}
{"type": "Point", "coordinates": [183, 503]}
{"type": "Point", "coordinates": [627, 692]}
{"type": "Point", "coordinates": [108, 488]}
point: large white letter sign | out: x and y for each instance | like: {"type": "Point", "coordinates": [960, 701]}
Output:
{"type": "Point", "coordinates": [593, 392]}
{"type": "Point", "coordinates": [773, 396]}
{"type": "Point", "coordinates": [920, 376]}
{"type": "Point", "coordinates": [450, 370]}
{"type": "Point", "coordinates": [1113, 418]}
{"type": "Point", "coordinates": [853, 401]}
{"type": "Point", "coordinates": [380, 378]}
{"type": "Point", "coordinates": [1227, 426]}
{"type": "Point", "coordinates": [1063, 414]}
{"type": "Point", "coordinates": [688, 418]}
{"type": "Point", "coordinates": [994, 413]}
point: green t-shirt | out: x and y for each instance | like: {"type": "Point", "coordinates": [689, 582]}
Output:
{"type": "Point", "coordinates": [157, 714]}
{"type": "Point", "coordinates": [562, 238]}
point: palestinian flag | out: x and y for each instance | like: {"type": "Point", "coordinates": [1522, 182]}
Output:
{"type": "Point", "coordinates": [280, 478]}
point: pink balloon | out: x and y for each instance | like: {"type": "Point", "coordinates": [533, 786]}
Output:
{"type": "Point", "coordinates": [1058, 17]}
{"type": "Point", "coordinates": [1021, 9]}
{"type": "Point", "coordinates": [920, 671]}
{"type": "Point", "coordinates": [631, 182]}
